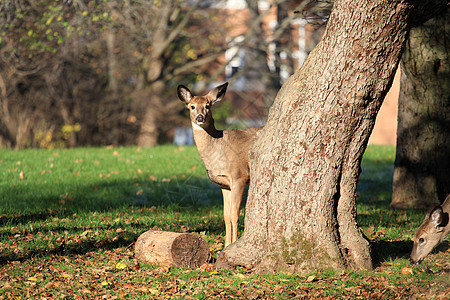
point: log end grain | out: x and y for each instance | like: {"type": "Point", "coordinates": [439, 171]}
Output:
{"type": "Point", "coordinates": [190, 250]}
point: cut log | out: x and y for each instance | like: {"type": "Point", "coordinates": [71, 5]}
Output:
{"type": "Point", "coordinates": [171, 249]}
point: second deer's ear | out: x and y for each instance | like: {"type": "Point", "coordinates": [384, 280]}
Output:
{"type": "Point", "coordinates": [184, 94]}
{"type": "Point", "coordinates": [218, 93]}
{"type": "Point", "coordinates": [436, 216]}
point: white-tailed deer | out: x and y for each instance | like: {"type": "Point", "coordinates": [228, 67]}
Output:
{"type": "Point", "coordinates": [432, 232]}
{"type": "Point", "coordinates": [224, 153]}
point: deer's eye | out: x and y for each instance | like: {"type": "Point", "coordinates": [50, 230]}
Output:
{"type": "Point", "coordinates": [207, 106]}
{"type": "Point", "coordinates": [421, 240]}
{"type": "Point", "coordinates": [192, 107]}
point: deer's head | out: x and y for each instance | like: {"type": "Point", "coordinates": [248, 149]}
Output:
{"type": "Point", "coordinates": [430, 234]}
{"type": "Point", "coordinates": [200, 106]}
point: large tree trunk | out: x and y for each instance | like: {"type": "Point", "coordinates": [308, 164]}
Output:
{"type": "Point", "coordinates": [149, 129]}
{"type": "Point", "coordinates": [422, 163]}
{"type": "Point", "coordinates": [301, 211]}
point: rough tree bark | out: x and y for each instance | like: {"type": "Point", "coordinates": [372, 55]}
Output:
{"type": "Point", "coordinates": [422, 163]}
{"type": "Point", "coordinates": [301, 211]}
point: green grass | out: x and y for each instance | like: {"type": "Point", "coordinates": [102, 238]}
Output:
{"type": "Point", "coordinates": [68, 217]}
{"type": "Point", "coordinates": [94, 179]}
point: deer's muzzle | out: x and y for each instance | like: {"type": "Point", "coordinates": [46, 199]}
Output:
{"type": "Point", "coordinates": [200, 119]}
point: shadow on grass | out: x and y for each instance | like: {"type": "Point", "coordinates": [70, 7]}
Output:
{"type": "Point", "coordinates": [386, 251]}
{"type": "Point", "coordinates": [79, 248]}
{"type": "Point", "coordinates": [17, 219]}
{"type": "Point", "coordinates": [34, 203]}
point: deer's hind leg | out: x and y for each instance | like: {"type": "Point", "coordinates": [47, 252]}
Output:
{"type": "Point", "coordinates": [237, 192]}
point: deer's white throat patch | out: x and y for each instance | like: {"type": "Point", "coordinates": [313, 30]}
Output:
{"type": "Point", "coordinates": [196, 127]}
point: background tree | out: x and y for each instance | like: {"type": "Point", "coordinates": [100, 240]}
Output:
{"type": "Point", "coordinates": [85, 72]}
{"type": "Point", "coordinates": [173, 50]}
{"type": "Point", "coordinates": [422, 163]}
{"type": "Point", "coordinates": [32, 40]}
{"type": "Point", "coordinates": [301, 211]}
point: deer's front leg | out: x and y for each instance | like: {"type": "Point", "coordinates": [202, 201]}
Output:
{"type": "Point", "coordinates": [227, 215]}
{"type": "Point", "coordinates": [237, 192]}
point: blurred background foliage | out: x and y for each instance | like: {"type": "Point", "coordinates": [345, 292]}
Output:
{"type": "Point", "coordinates": [97, 72]}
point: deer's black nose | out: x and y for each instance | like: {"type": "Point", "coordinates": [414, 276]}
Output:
{"type": "Point", "coordinates": [200, 119]}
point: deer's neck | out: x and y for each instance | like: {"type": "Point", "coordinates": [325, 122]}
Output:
{"type": "Point", "coordinates": [205, 135]}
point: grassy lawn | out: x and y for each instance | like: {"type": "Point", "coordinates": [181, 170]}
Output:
{"type": "Point", "coordinates": [69, 220]}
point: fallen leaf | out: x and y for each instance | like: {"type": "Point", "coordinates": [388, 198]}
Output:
{"type": "Point", "coordinates": [278, 288]}
{"type": "Point", "coordinates": [207, 267]}
{"type": "Point", "coordinates": [311, 278]}
{"type": "Point", "coordinates": [21, 175]}
{"type": "Point", "coordinates": [34, 279]}
{"type": "Point", "coordinates": [407, 270]}
{"type": "Point", "coordinates": [85, 233]}
{"type": "Point", "coordinates": [121, 265]}
{"type": "Point", "coordinates": [153, 291]}
{"type": "Point", "coordinates": [162, 270]}
{"type": "Point", "coordinates": [106, 283]}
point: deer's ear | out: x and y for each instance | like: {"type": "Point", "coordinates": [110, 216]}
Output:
{"type": "Point", "coordinates": [184, 94]}
{"type": "Point", "coordinates": [218, 93]}
{"type": "Point", "coordinates": [437, 216]}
